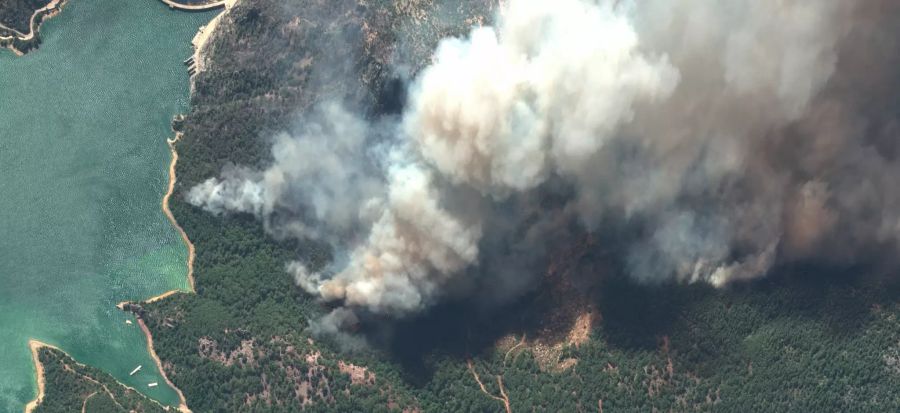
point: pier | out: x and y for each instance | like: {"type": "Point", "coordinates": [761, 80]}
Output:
{"type": "Point", "coordinates": [191, 64]}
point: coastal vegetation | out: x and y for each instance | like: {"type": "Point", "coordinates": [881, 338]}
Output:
{"type": "Point", "coordinates": [16, 14]}
{"type": "Point", "coordinates": [20, 21]}
{"type": "Point", "coordinates": [74, 387]}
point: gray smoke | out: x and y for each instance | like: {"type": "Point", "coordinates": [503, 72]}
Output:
{"type": "Point", "coordinates": [737, 135]}
{"type": "Point", "coordinates": [319, 185]}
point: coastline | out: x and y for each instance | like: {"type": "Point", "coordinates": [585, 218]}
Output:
{"type": "Point", "coordinates": [182, 402]}
{"type": "Point", "coordinates": [168, 212]}
{"type": "Point", "coordinates": [48, 11]}
{"type": "Point", "coordinates": [37, 345]}
{"type": "Point", "coordinates": [171, 217]}
{"type": "Point", "coordinates": [201, 39]}
{"type": "Point", "coordinates": [199, 42]}
{"type": "Point", "coordinates": [182, 406]}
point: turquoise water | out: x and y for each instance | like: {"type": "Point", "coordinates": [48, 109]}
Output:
{"type": "Point", "coordinates": [83, 167]}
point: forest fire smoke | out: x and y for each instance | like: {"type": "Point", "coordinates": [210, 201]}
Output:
{"type": "Point", "coordinates": [731, 136]}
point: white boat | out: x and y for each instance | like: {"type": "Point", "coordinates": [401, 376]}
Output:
{"type": "Point", "coordinates": [154, 384]}
{"type": "Point", "coordinates": [127, 321]}
{"type": "Point", "coordinates": [134, 371]}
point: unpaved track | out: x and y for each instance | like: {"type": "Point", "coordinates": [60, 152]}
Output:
{"type": "Point", "coordinates": [32, 29]}
{"type": "Point", "coordinates": [503, 398]}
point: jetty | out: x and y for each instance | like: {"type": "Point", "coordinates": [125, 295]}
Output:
{"type": "Point", "coordinates": [191, 64]}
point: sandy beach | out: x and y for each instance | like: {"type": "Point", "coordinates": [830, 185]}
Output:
{"type": "Point", "coordinates": [165, 207]}
{"type": "Point", "coordinates": [190, 264]}
{"type": "Point", "coordinates": [182, 406]}
{"type": "Point", "coordinates": [199, 42]}
{"type": "Point", "coordinates": [35, 346]}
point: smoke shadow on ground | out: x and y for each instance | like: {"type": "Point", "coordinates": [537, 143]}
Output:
{"type": "Point", "coordinates": [636, 317]}
{"type": "Point", "coordinates": [456, 330]}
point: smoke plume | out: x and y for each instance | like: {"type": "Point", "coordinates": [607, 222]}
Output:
{"type": "Point", "coordinates": [731, 136]}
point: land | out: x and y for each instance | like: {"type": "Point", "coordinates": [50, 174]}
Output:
{"type": "Point", "coordinates": [173, 178]}
{"type": "Point", "coordinates": [586, 339]}
{"type": "Point", "coordinates": [18, 15]}
{"type": "Point", "coordinates": [67, 386]}
{"type": "Point", "coordinates": [20, 22]}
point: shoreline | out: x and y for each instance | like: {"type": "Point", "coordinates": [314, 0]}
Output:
{"type": "Point", "coordinates": [173, 178]}
{"type": "Point", "coordinates": [200, 40]}
{"type": "Point", "coordinates": [36, 346]}
{"type": "Point", "coordinates": [182, 406]}
{"type": "Point", "coordinates": [51, 9]}
{"type": "Point", "coordinates": [182, 402]}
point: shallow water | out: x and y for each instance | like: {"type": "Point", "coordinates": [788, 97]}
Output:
{"type": "Point", "coordinates": [83, 167]}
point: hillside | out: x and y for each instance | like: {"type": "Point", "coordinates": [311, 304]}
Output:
{"type": "Point", "coordinates": [586, 338]}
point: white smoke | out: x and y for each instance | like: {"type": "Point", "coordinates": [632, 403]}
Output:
{"type": "Point", "coordinates": [539, 94]}
{"type": "Point", "coordinates": [412, 249]}
{"type": "Point", "coordinates": [717, 128]}
{"type": "Point", "coordinates": [327, 175]}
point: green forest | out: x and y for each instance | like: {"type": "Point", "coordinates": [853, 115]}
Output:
{"type": "Point", "coordinates": [73, 387]}
{"type": "Point", "coordinates": [804, 340]}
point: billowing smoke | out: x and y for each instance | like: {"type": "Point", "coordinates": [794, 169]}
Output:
{"type": "Point", "coordinates": [731, 136]}
{"type": "Point", "coordinates": [320, 180]}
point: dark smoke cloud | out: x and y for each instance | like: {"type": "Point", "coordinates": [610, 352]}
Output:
{"type": "Point", "coordinates": [737, 135]}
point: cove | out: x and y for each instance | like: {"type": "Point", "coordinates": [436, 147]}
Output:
{"type": "Point", "coordinates": [83, 167]}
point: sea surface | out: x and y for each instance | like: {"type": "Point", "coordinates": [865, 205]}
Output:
{"type": "Point", "coordinates": [83, 168]}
